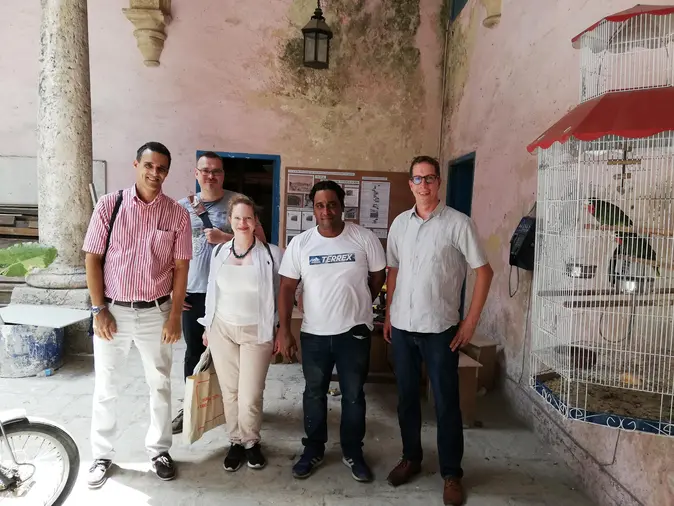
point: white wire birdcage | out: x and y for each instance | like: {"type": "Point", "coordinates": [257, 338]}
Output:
{"type": "Point", "coordinates": [603, 301]}
{"type": "Point", "coordinates": [635, 53]}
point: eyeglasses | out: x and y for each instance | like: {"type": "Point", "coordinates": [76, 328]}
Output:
{"type": "Point", "coordinates": [430, 179]}
{"type": "Point", "coordinates": [216, 172]}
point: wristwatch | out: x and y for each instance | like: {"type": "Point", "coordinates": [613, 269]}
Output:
{"type": "Point", "coordinates": [96, 309]}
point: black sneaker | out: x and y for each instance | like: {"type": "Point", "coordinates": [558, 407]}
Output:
{"type": "Point", "coordinates": [255, 458]}
{"type": "Point", "coordinates": [163, 467]}
{"type": "Point", "coordinates": [98, 473]}
{"type": "Point", "coordinates": [306, 465]}
{"type": "Point", "coordinates": [177, 423]}
{"type": "Point", "coordinates": [234, 458]}
{"type": "Point", "coordinates": [360, 471]}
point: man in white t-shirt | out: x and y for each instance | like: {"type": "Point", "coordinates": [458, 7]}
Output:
{"type": "Point", "coordinates": [342, 267]}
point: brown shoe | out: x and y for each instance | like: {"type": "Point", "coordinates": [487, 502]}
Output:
{"type": "Point", "coordinates": [403, 472]}
{"type": "Point", "coordinates": [453, 495]}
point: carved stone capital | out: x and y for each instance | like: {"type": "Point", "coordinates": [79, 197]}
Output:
{"type": "Point", "coordinates": [150, 18]}
{"type": "Point", "coordinates": [493, 8]}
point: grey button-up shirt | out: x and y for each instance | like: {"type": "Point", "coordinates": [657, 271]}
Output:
{"type": "Point", "coordinates": [431, 257]}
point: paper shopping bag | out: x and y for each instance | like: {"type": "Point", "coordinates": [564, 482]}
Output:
{"type": "Point", "coordinates": [203, 409]}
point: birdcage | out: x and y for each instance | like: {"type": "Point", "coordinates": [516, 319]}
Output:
{"type": "Point", "coordinates": [602, 348]}
{"type": "Point", "coordinates": [633, 49]}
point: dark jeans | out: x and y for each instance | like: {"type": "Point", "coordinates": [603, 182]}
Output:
{"type": "Point", "coordinates": [351, 355]}
{"type": "Point", "coordinates": [193, 331]}
{"type": "Point", "coordinates": [442, 365]}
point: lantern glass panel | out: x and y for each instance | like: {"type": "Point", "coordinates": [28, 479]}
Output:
{"type": "Point", "coordinates": [309, 47]}
{"type": "Point", "coordinates": [323, 45]}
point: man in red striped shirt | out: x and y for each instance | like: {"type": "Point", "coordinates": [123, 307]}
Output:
{"type": "Point", "coordinates": [137, 291]}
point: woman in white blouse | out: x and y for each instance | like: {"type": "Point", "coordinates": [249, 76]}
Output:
{"type": "Point", "coordinates": [240, 324]}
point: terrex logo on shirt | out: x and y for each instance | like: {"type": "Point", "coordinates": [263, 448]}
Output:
{"type": "Point", "coordinates": [332, 259]}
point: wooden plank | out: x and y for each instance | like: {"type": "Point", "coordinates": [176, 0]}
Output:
{"type": "Point", "coordinates": [23, 223]}
{"type": "Point", "coordinates": [7, 219]}
{"type": "Point", "coordinates": [29, 210]}
{"type": "Point", "coordinates": [16, 231]}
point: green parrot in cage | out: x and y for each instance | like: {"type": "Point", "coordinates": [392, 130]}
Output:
{"type": "Point", "coordinates": [632, 245]}
{"type": "Point", "coordinates": [608, 214]}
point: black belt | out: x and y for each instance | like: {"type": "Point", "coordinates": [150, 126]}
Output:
{"type": "Point", "coordinates": [140, 304]}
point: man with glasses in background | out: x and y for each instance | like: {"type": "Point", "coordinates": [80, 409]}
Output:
{"type": "Point", "coordinates": [210, 226]}
{"type": "Point", "coordinates": [428, 248]}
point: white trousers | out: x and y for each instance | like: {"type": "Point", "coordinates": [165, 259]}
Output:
{"type": "Point", "coordinates": [241, 364]}
{"type": "Point", "coordinates": [144, 328]}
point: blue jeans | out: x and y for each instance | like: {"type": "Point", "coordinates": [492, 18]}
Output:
{"type": "Point", "coordinates": [442, 365]}
{"type": "Point", "coordinates": [350, 352]}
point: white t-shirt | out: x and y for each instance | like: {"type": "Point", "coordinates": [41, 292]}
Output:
{"type": "Point", "coordinates": [334, 272]}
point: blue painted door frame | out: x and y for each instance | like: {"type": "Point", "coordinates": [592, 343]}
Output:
{"type": "Point", "coordinates": [460, 178]}
{"type": "Point", "coordinates": [276, 184]}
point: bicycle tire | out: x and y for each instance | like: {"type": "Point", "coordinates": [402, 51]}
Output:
{"type": "Point", "coordinates": [50, 429]}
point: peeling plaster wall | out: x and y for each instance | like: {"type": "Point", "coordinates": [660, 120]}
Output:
{"type": "Point", "coordinates": [231, 80]}
{"type": "Point", "coordinates": [506, 85]}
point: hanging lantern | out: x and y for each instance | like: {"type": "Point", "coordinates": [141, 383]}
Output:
{"type": "Point", "coordinates": [317, 35]}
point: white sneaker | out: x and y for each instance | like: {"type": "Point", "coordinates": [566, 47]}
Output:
{"type": "Point", "coordinates": [98, 473]}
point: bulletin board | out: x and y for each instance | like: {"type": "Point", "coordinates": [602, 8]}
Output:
{"type": "Point", "coordinates": [373, 199]}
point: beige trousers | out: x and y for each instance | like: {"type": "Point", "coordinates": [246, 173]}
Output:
{"type": "Point", "coordinates": [241, 364]}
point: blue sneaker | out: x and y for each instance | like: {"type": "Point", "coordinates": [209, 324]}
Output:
{"type": "Point", "coordinates": [359, 468]}
{"type": "Point", "coordinates": [306, 465]}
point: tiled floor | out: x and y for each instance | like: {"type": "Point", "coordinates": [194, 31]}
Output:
{"type": "Point", "coordinates": [504, 462]}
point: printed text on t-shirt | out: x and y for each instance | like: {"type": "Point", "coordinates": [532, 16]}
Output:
{"type": "Point", "coordinates": [332, 259]}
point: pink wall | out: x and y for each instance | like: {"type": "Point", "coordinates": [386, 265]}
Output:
{"type": "Point", "coordinates": [222, 86]}
{"type": "Point", "coordinates": [507, 85]}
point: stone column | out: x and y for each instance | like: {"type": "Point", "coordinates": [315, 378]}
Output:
{"type": "Point", "coordinates": [64, 156]}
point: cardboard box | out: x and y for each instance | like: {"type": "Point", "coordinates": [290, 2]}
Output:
{"type": "Point", "coordinates": [483, 350]}
{"type": "Point", "coordinates": [468, 374]}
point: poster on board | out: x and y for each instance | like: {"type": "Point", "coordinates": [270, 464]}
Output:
{"type": "Point", "coordinates": [290, 236]}
{"type": "Point", "coordinates": [300, 183]}
{"type": "Point", "coordinates": [351, 213]}
{"type": "Point", "coordinates": [381, 233]}
{"type": "Point", "coordinates": [308, 220]}
{"type": "Point", "coordinates": [294, 220]}
{"type": "Point", "coordinates": [374, 204]}
{"type": "Point", "coordinates": [351, 197]}
{"type": "Point", "coordinates": [295, 200]}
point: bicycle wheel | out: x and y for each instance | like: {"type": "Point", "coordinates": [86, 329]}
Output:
{"type": "Point", "coordinates": [49, 463]}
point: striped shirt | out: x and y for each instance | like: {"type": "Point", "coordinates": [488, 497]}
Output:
{"type": "Point", "coordinates": [146, 240]}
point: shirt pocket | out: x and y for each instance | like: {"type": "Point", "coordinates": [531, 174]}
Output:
{"type": "Point", "coordinates": [161, 246]}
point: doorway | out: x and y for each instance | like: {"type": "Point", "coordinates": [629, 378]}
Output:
{"type": "Point", "coordinates": [257, 177]}
{"type": "Point", "coordinates": [460, 194]}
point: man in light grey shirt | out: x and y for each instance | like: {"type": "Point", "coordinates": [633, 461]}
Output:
{"type": "Point", "coordinates": [428, 249]}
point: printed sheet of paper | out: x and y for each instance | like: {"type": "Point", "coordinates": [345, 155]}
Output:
{"type": "Point", "coordinates": [300, 183]}
{"type": "Point", "coordinates": [293, 220]}
{"type": "Point", "coordinates": [308, 220]}
{"type": "Point", "coordinates": [351, 197]}
{"type": "Point", "coordinates": [374, 203]}
{"type": "Point", "coordinates": [294, 200]}
{"type": "Point", "coordinates": [381, 233]}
